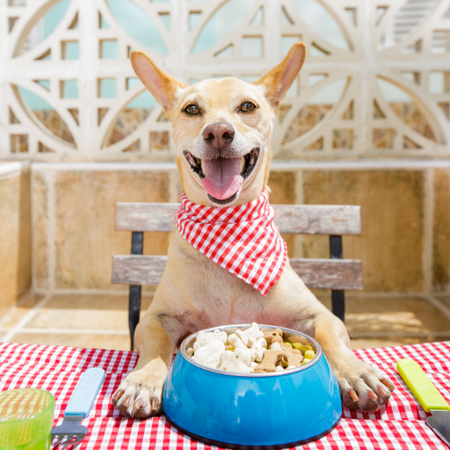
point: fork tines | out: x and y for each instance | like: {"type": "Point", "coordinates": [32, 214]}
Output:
{"type": "Point", "coordinates": [65, 440]}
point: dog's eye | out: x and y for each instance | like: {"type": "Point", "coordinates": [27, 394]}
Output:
{"type": "Point", "coordinates": [192, 109]}
{"type": "Point", "coordinates": [247, 107]}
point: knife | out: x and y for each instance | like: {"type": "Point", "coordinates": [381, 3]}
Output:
{"type": "Point", "coordinates": [428, 396]}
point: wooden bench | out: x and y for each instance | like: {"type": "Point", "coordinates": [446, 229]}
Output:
{"type": "Point", "coordinates": [335, 273]}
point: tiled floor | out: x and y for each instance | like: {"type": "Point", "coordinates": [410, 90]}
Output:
{"type": "Point", "coordinates": [102, 320]}
{"type": "Point", "coordinates": [71, 320]}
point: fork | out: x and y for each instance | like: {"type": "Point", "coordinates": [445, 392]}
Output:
{"type": "Point", "coordinates": [71, 432]}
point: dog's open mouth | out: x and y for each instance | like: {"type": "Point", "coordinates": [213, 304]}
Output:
{"type": "Point", "coordinates": [222, 177]}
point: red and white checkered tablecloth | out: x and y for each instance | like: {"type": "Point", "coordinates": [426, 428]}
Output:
{"type": "Point", "coordinates": [399, 425]}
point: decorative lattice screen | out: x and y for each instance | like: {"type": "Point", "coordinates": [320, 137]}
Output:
{"type": "Point", "coordinates": [376, 82]}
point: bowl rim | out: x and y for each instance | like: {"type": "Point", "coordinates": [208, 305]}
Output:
{"type": "Point", "coordinates": [308, 365]}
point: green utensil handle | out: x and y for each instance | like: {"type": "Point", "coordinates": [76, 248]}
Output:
{"type": "Point", "coordinates": [421, 386]}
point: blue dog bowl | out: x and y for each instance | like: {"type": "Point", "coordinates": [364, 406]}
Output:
{"type": "Point", "coordinates": [245, 410]}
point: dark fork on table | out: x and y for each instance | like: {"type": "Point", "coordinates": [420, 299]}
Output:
{"type": "Point", "coordinates": [71, 432]}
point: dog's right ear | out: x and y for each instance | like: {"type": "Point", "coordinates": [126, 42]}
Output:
{"type": "Point", "coordinates": [277, 81]}
{"type": "Point", "coordinates": [161, 85]}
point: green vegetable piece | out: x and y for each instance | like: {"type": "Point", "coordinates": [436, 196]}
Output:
{"type": "Point", "coordinates": [309, 354]}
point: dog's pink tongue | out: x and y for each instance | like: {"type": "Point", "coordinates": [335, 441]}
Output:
{"type": "Point", "coordinates": [222, 179]}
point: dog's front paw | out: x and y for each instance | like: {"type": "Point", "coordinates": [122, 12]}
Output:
{"type": "Point", "coordinates": [362, 386]}
{"type": "Point", "coordinates": [139, 397]}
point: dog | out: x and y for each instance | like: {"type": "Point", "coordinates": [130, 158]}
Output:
{"type": "Point", "coordinates": [216, 121]}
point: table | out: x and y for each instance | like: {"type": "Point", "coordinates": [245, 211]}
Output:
{"type": "Point", "coordinates": [399, 425]}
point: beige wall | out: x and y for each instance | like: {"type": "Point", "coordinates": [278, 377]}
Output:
{"type": "Point", "coordinates": [73, 224]}
{"type": "Point", "coordinates": [405, 219]}
{"type": "Point", "coordinates": [392, 215]}
{"type": "Point", "coordinates": [405, 244]}
{"type": "Point", "coordinates": [15, 234]}
{"type": "Point", "coordinates": [441, 230]}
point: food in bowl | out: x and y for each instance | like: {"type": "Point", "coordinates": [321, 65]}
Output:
{"type": "Point", "coordinates": [249, 350]}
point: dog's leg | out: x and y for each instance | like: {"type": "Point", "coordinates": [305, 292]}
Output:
{"type": "Point", "coordinates": [140, 393]}
{"type": "Point", "coordinates": [362, 386]}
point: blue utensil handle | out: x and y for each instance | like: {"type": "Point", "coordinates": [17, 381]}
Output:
{"type": "Point", "coordinates": [83, 396]}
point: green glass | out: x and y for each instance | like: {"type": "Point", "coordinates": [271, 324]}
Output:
{"type": "Point", "coordinates": [26, 419]}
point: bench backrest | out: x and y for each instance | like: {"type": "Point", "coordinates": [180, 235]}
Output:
{"type": "Point", "coordinates": [335, 220]}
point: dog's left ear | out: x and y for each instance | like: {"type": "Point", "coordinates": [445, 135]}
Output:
{"type": "Point", "coordinates": [162, 86]}
{"type": "Point", "coordinates": [278, 80]}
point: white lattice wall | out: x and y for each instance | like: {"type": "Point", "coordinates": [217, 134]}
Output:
{"type": "Point", "coordinates": [387, 79]}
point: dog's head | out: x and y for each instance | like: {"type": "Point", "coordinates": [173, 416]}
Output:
{"type": "Point", "coordinates": [221, 127]}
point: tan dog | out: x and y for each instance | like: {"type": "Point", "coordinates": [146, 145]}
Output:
{"type": "Point", "coordinates": [231, 119]}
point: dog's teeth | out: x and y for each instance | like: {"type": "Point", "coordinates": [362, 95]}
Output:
{"type": "Point", "coordinates": [241, 164]}
{"type": "Point", "coordinates": [202, 165]}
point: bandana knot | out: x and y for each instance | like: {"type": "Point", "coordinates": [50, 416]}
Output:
{"type": "Point", "coordinates": [242, 239]}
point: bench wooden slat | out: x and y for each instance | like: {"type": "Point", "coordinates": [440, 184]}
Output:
{"type": "Point", "coordinates": [291, 219]}
{"type": "Point", "coordinates": [337, 274]}
{"type": "Point", "coordinates": [138, 269]}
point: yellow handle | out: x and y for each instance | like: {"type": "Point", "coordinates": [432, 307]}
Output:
{"type": "Point", "coordinates": [421, 386]}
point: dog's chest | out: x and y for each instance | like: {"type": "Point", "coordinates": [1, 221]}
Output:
{"type": "Point", "coordinates": [224, 298]}
{"type": "Point", "coordinates": [212, 295]}
{"type": "Point", "coordinates": [215, 294]}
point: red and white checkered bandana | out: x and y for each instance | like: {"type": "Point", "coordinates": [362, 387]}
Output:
{"type": "Point", "coordinates": [242, 239]}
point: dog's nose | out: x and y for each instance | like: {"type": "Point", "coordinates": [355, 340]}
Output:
{"type": "Point", "coordinates": [218, 135]}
